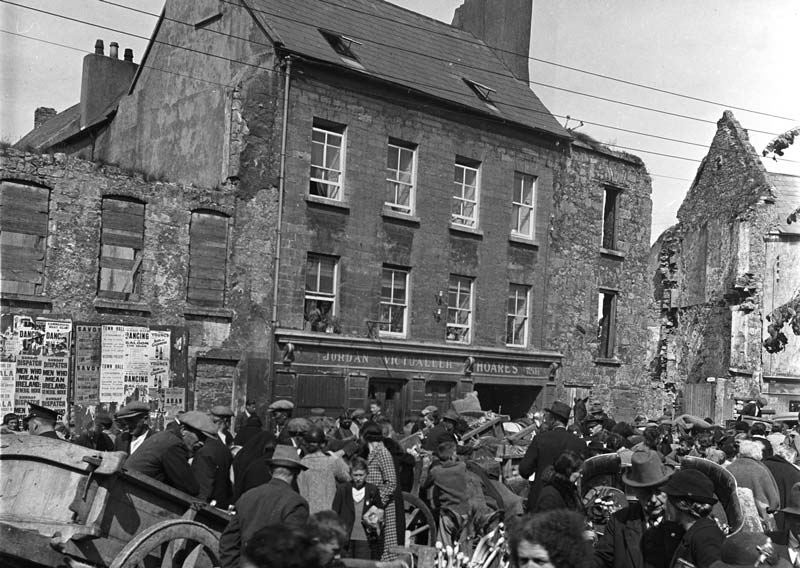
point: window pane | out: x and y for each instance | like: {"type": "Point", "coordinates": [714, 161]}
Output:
{"type": "Point", "coordinates": [326, 276]}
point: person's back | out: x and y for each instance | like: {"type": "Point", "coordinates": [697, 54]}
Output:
{"type": "Point", "coordinates": [449, 481]}
{"type": "Point", "coordinates": [212, 468]}
{"type": "Point", "coordinates": [164, 457]}
{"type": "Point", "coordinates": [317, 484]}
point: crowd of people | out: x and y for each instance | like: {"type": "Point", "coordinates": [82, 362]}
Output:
{"type": "Point", "coordinates": [310, 491]}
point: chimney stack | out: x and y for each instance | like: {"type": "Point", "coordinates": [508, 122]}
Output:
{"type": "Point", "coordinates": [129, 55]}
{"type": "Point", "coordinates": [42, 115]}
{"type": "Point", "coordinates": [113, 50]}
{"type": "Point", "coordinates": [504, 25]}
{"type": "Point", "coordinates": [105, 80]}
{"type": "Point", "coordinates": [98, 47]}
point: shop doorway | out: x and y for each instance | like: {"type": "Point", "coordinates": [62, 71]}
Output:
{"type": "Point", "coordinates": [391, 393]}
{"type": "Point", "coordinates": [512, 400]}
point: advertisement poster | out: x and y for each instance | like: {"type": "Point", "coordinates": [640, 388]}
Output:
{"type": "Point", "coordinates": [112, 364]}
{"type": "Point", "coordinates": [7, 386]}
{"type": "Point", "coordinates": [137, 363]}
{"type": "Point", "coordinates": [174, 402]}
{"type": "Point", "coordinates": [87, 364]}
{"type": "Point", "coordinates": [28, 384]}
{"type": "Point", "coordinates": [57, 338]}
{"type": "Point", "coordinates": [159, 359]}
{"type": "Point", "coordinates": [55, 378]}
{"type": "Point", "coordinates": [31, 335]}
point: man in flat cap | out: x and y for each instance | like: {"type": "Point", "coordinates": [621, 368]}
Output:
{"type": "Point", "coordinates": [42, 421]}
{"type": "Point", "coordinates": [95, 436]}
{"type": "Point", "coordinates": [133, 419]}
{"type": "Point", "coordinates": [221, 415]}
{"type": "Point", "coordinates": [273, 503]}
{"type": "Point", "coordinates": [280, 413]}
{"type": "Point", "coordinates": [165, 455]}
{"type": "Point", "coordinates": [212, 465]}
{"type": "Point", "coordinates": [248, 423]}
{"type": "Point", "coordinates": [547, 446]}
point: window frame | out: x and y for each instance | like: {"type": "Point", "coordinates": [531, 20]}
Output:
{"type": "Point", "coordinates": [405, 305]}
{"type": "Point", "coordinates": [517, 206]}
{"type": "Point", "coordinates": [135, 280]}
{"type": "Point", "coordinates": [526, 318]}
{"type": "Point", "coordinates": [453, 307]}
{"type": "Point", "coordinates": [607, 327]}
{"type": "Point", "coordinates": [317, 295]}
{"type": "Point", "coordinates": [609, 230]}
{"type": "Point", "coordinates": [392, 185]}
{"type": "Point", "coordinates": [459, 195]}
{"type": "Point", "coordinates": [24, 234]}
{"type": "Point", "coordinates": [328, 129]}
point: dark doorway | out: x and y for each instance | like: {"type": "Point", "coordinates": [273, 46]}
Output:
{"type": "Point", "coordinates": [512, 400]}
{"type": "Point", "coordinates": [391, 393]}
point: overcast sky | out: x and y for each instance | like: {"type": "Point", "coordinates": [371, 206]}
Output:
{"type": "Point", "coordinates": [736, 53]}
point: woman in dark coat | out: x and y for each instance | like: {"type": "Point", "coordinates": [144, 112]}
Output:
{"type": "Point", "coordinates": [560, 490]}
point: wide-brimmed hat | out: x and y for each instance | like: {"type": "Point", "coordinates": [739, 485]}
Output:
{"type": "Point", "coordinates": [135, 408]}
{"type": "Point", "coordinates": [793, 501]}
{"type": "Point", "coordinates": [286, 456]}
{"type": "Point", "coordinates": [559, 409]}
{"type": "Point", "coordinates": [741, 550]}
{"type": "Point", "coordinates": [199, 421]}
{"type": "Point", "coordinates": [221, 410]}
{"type": "Point", "coordinates": [647, 470]}
{"type": "Point", "coordinates": [692, 485]}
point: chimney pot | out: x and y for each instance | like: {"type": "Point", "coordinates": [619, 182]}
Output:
{"type": "Point", "coordinates": [129, 54]}
{"type": "Point", "coordinates": [98, 47]}
{"type": "Point", "coordinates": [113, 50]}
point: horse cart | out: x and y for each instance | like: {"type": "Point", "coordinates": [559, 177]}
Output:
{"type": "Point", "coordinates": [66, 505]}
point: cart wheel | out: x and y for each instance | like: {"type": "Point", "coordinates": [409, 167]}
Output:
{"type": "Point", "coordinates": [420, 524]}
{"type": "Point", "coordinates": [177, 543]}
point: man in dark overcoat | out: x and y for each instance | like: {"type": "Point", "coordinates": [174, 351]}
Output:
{"type": "Point", "coordinates": [212, 468]}
{"type": "Point", "coordinates": [547, 446]}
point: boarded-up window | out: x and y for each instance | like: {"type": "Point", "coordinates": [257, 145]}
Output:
{"type": "Point", "coordinates": [23, 237]}
{"type": "Point", "coordinates": [208, 253]}
{"type": "Point", "coordinates": [320, 391]}
{"type": "Point", "coordinates": [121, 245]}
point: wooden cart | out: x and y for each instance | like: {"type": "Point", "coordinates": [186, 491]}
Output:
{"type": "Point", "coordinates": [66, 505]}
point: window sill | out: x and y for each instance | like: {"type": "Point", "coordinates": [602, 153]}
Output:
{"type": "Point", "coordinates": [466, 230]}
{"type": "Point", "coordinates": [517, 240]}
{"type": "Point", "coordinates": [25, 299]}
{"type": "Point", "coordinates": [332, 203]}
{"type": "Point", "coordinates": [206, 312]}
{"type": "Point", "coordinates": [121, 306]}
{"type": "Point", "coordinates": [612, 253]}
{"type": "Point", "coordinates": [390, 213]}
{"type": "Point", "coordinates": [606, 362]}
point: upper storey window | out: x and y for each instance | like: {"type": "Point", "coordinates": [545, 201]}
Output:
{"type": "Point", "coordinates": [327, 161]}
{"type": "Point", "coordinates": [400, 176]}
{"type": "Point", "coordinates": [611, 197]}
{"type": "Point", "coordinates": [465, 193]}
{"type": "Point", "coordinates": [121, 247]}
{"type": "Point", "coordinates": [523, 205]}
{"type": "Point", "coordinates": [24, 211]}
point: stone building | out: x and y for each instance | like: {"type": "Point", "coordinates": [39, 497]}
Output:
{"type": "Point", "coordinates": [727, 264]}
{"type": "Point", "coordinates": [406, 221]}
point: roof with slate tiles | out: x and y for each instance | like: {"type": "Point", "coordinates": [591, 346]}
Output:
{"type": "Point", "coordinates": [405, 48]}
{"type": "Point", "coordinates": [59, 128]}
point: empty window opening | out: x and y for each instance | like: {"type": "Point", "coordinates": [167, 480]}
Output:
{"type": "Point", "coordinates": [606, 323]}
{"type": "Point", "coordinates": [610, 217]}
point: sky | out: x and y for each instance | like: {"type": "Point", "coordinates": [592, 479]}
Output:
{"type": "Point", "coordinates": [734, 54]}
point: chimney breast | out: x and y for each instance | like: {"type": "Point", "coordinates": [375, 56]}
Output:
{"type": "Point", "coordinates": [113, 50]}
{"type": "Point", "coordinates": [129, 54]}
{"type": "Point", "coordinates": [42, 115]}
{"type": "Point", "coordinates": [98, 47]}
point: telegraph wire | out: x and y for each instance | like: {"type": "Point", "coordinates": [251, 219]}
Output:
{"type": "Point", "coordinates": [416, 83]}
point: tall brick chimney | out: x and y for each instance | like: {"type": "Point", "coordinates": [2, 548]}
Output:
{"type": "Point", "coordinates": [105, 80]}
{"type": "Point", "coordinates": [42, 115]}
{"type": "Point", "coordinates": [505, 26]}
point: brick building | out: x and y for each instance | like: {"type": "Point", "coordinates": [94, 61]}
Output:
{"type": "Point", "coordinates": [727, 264]}
{"type": "Point", "coordinates": [405, 219]}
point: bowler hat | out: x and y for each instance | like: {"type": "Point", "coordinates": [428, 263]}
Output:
{"type": "Point", "coordinates": [595, 408]}
{"type": "Point", "coordinates": [286, 456]}
{"type": "Point", "coordinates": [281, 404]}
{"type": "Point", "coordinates": [744, 549]}
{"type": "Point", "coordinates": [692, 485]}
{"type": "Point", "coordinates": [135, 408]}
{"type": "Point", "coordinates": [199, 421]}
{"type": "Point", "coordinates": [559, 409]}
{"type": "Point", "coordinates": [793, 501]}
{"type": "Point", "coordinates": [39, 411]}
{"type": "Point", "coordinates": [221, 410]}
{"type": "Point", "coordinates": [647, 470]}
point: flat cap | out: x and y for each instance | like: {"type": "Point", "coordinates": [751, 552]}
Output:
{"type": "Point", "coordinates": [221, 410]}
{"type": "Point", "coordinates": [429, 410]}
{"type": "Point", "coordinates": [358, 413]}
{"type": "Point", "coordinates": [135, 408]}
{"type": "Point", "coordinates": [199, 421]}
{"type": "Point", "coordinates": [39, 411]}
{"type": "Point", "coordinates": [282, 404]}
{"type": "Point", "coordinates": [317, 412]}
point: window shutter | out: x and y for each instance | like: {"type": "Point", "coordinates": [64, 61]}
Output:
{"type": "Point", "coordinates": [208, 254]}
{"type": "Point", "coordinates": [23, 237]}
{"type": "Point", "coordinates": [122, 240]}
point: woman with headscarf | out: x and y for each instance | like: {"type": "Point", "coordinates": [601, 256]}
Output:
{"type": "Point", "coordinates": [381, 473]}
{"type": "Point", "coordinates": [690, 498]}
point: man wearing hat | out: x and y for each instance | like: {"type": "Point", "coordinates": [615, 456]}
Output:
{"type": "Point", "coordinates": [443, 430]}
{"type": "Point", "coordinates": [133, 420]}
{"type": "Point", "coordinates": [221, 415]}
{"type": "Point", "coordinates": [95, 436]}
{"type": "Point", "coordinates": [638, 536]}
{"type": "Point", "coordinates": [42, 421]}
{"type": "Point", "coordinates": [212, 468]}
{"type": "Point", "coordinates": [359, 418]}
{"type": "Point", "coordinates": [280, 413]}
{"type": "Point", "coordinates": [547, 446]}
{"type": "Point", "coordinates": [790, 536]}
{"type": "Point", "coordinates": [248, 423]}
{"type": "Point", "coordinates": [274, 503]}
{"type": "Point", "coordinates": [165, 455]}
{"type": "Point", "coordinates": [752, 549]}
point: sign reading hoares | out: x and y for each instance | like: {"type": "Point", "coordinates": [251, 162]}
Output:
{"type": "Point", "coordinates": [356, 359]}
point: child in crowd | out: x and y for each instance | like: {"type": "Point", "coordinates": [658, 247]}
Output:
{"type": "Point", "coordinates": [352, 500]}
{"type": "Point", "coordinates": [449, 481]}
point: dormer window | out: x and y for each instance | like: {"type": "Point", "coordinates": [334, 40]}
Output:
{"type": "Point", "coordinates": [343, 46]}
{"type": "Point", "coordinates": [483, 92]}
